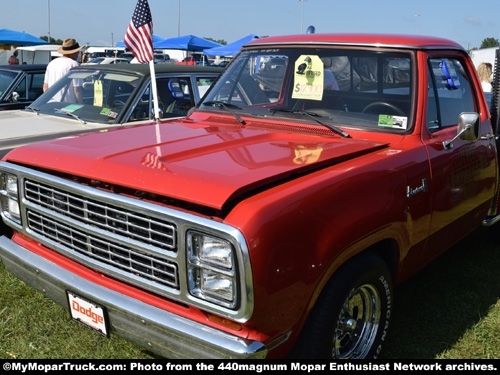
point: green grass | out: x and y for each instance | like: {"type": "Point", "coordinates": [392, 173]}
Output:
{"type": "Point", "coordinates": [450, 310]}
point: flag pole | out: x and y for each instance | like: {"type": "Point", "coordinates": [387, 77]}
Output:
{"type": "Point", "coordinates": [139, 40]}
{"type": "Point", "coordinates": [154, 90]}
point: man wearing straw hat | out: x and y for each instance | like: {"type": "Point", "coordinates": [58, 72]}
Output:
{"type": "Point", "coordinates": [60, 66]}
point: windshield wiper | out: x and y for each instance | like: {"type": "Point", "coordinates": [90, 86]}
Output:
{"type": "Point", "coordinates": [227, 107]}
{"type": "Point", "coordinates": [36, 110]}
{"type": "Point", "coordinates": [70, 114]}
{"type": "Point", "coordinates": [313, 116]}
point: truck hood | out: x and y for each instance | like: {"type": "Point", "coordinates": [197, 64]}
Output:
{"type": "Point", "coordinates": [206, 162]}
{"type": "Point", "coordinates": [20, 127]}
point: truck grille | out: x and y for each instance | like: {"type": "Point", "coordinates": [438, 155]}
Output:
{"type": "Point", "coordinates": [104, 233]}
{"type": "Point", "coordinates": [105, 216]}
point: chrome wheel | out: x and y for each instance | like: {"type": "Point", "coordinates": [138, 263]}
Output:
{"type": "Point", "coordinates": [351, 316]}
{"type": "Point", "coordinates": [357, 324]}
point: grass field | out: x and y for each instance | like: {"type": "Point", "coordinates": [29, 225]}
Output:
{"type": "Point", "coordinates": [450, 310]}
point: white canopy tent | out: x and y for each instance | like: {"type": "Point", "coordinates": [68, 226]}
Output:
{"type": "Point", "coordinates": [41, 54]}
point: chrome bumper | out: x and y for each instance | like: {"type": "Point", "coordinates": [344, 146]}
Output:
{"type": "Point", "coordinates": [159, 331]}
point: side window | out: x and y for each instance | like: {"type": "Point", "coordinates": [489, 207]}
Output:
{"type": "Point", "coordinates": [347, 78]}
{"type": "Point", "coordinates": [452, 90]}
{"type": "Point", "coordinates": [21, 89]}
{"type": "Point", "coordinates": [35, 85]}
{"type": "Point", "coordinates": [186, 102]}
{"type": "Point", "coordinates": [397, 75]}
{"type": "Point", "coordinates": [31, 86]}
{"type": "Point", "coordinates": [174, 96]}
{"type": "Point", "coordinates": [204, 84]}
{"type": "Point", "coordinates": [388, 74]}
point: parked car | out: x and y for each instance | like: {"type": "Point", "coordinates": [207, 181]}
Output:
{"type": "Point", "coordinates": [221, 63]}
{"type": "Point", "coordinates": [162, 58]}
{"type": "Point", "coordinates": [107, 60]}
{"type": "Point", "coordinates": [114, 95]}
{"type": "Point", "coordinates": [20, 85]}
{"type": "Point", "coordinates": [194, 60]}
{"type": "Point", "coordinates": [127, 55]}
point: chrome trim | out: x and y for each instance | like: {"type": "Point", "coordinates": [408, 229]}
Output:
{"type": "Point", "coordinates": [311, 44]}
{"type": "Point", "coordinates": [159, 331]}
{"type": "Point", "coordinates": [491, 220]}
{"type": "Point", "coordinates": [57, 220]}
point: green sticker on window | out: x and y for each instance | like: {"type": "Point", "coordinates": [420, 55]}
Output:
{"type": "Point", "coordinates": [396, 122]}
{"type": "Point", "coordinates": [72, 107]}
{"type": "Point", "coordinates": [384, 120]}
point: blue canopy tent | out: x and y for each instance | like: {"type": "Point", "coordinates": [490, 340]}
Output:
{"type": "Point", "coordinates": [156, 38]}
{"type": "Point", "coordinates": [231, 49]}
{"type": "Point", "coordinates": [12, 38]}
{"type": "Point", "coordinates": [185, 42]}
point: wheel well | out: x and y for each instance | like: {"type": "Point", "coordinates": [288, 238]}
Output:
{"type": "Point", "coordinates": [374, 266]}
{"type": "Point", "coordinates": [388, 250]}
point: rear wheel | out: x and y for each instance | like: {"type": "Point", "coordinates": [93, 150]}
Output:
{"type": "Point", "coordinates": [351, 317]}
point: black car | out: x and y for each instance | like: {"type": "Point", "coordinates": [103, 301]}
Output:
{"type": "Point", "coordinates": [20, 85]}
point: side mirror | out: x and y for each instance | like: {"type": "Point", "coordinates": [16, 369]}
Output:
{"type": "Point", "coordinates": [468, 126]}
{"type": "Point", "coordinates": [15, 97]}
{"type": "Point", "coordinates": [467, 130]}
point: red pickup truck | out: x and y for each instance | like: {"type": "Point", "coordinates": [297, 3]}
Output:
{"type": "Point", "coordinates": [318, 172]}
{"type": "Point", "coordinates": [188, 60]}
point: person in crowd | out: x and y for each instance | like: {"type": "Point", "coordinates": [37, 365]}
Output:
{"type": "Point", "coordinates": [13, 60]}
{"type": "Point", "coordinates": [84, 57]}
{"type": "Point", "coordinates": [58, 67]}
{"type": "Point", "coordinates": [484, 71]}
{"type": "Point", "coordinates": [330, 80]}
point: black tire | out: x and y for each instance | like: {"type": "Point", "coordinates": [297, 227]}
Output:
{"type": "Point", "coordinates": [351, 316]}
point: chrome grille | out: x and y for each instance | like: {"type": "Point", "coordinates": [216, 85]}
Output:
{"type": "Point", "coordinates": [110, 224]}
{"type": "Point", "coordinates": [114, 219]}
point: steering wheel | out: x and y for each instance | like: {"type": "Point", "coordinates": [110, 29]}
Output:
{"type": "Point", "coordinates": [384, 106]}
{"type": "Point", "coordinates": [118, 103]}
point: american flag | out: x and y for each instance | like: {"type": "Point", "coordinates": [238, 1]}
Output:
{"type": "Point", "coordinates": [139, 35]}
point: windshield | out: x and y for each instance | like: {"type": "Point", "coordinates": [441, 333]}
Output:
{"type": "Point", "coordinates": [104, 96]}
{"type": "Point", "coordinates": [356, 88]}
{"type": "Point", "coordinates": [112, 95]}
{"type": "Point", "coordinates": [6, 79]}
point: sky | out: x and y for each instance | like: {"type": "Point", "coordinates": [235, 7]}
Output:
{"type": "Point", "coordinates": [104, 22]}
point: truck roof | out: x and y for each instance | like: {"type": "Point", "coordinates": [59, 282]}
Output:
{"type": "Point", "coordinates": [389, 40]}
{"type": "Point", "coordinates": [159, 68]}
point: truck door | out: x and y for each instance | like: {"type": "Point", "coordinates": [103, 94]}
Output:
{"type": "Point", "coordinates": [462, 176]}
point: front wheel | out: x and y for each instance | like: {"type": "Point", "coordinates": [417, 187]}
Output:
{"type": "Point", "coordinates": [351, 316]}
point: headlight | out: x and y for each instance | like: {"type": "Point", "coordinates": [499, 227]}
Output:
{"type": "Point", "coordinates": [9, 197]}
{"type": "Point", "coordinates": [211, 269]}
{"type": "Point", "coordinates": [214, 250]}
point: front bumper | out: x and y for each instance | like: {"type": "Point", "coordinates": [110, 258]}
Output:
{"type": "Point", "coordinates": [161, 332]}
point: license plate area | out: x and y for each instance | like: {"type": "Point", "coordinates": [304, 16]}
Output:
{"type": "Point", "coordinates": [88, 313]}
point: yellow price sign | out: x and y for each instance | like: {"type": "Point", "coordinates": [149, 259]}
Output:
{"type": "Point", "coordinates": [308, 78]}
{"type": "Point", "coordinates": [98, 93]}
